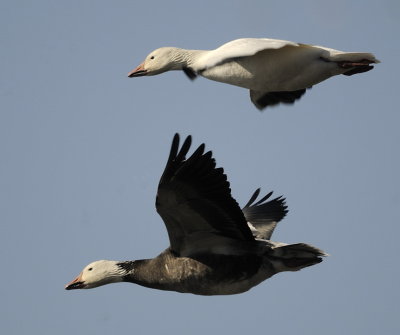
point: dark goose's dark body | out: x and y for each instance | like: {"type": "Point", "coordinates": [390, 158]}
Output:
{"type": "Point", "coordinates": [214, 274]}
{"type": "Point", "coordinates": [204, 275]}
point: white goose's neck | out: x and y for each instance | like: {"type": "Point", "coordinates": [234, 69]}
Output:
{"type": "Point", "coordinates": [185, 58]}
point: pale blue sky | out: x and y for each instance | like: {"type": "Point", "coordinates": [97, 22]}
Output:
{"type": "Point", "coordinates": [82, 148]}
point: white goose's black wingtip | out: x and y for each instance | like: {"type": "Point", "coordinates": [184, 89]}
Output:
{"type": "Point", "coordinates": [190, 73]}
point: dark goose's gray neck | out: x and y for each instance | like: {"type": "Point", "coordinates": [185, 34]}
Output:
{"type": "Point", "coordinates": [162, 272]}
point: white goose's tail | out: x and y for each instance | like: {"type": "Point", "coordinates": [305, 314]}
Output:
{"type": "Point", "coordinates": [294, 257]}
{"type": "Point", "coordinates": [352, 62]}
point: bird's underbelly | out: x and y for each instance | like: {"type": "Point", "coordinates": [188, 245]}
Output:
{"type": "Point", "coordinates": [274, 72]}
{"type": "Point", "coordinates": [213, 281]}
{"type": "Point", "coordinates": [236, 287]}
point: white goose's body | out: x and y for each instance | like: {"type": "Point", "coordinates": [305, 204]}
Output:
{"type": "Point", "coordinates": [264, 72]}
{"type": "Point", "coordinates": [275, 71]}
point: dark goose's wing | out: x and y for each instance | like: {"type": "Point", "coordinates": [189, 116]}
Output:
{"type": "Point", "coordinates": [194, 200]}
{"type": "Point", "coordinates": [264, 216]}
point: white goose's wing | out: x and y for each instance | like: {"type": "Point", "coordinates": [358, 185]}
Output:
{"type": "Point", "coordinates": [262, 216]}
{"type": "Point", "coordinates": [237, 48]}
{"type": "Point", "coordinates": [194, 200]}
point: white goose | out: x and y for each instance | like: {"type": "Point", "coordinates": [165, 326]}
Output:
{"type": "Point", "coordinates": [213, 251]}
{"type": "Point", "coordinates": [275, 71]}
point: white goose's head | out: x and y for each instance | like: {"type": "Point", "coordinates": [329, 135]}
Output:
{"type": "Point", "coordinates": [97, 274]}
{"type": "Point", "coordinates": [159, 61]}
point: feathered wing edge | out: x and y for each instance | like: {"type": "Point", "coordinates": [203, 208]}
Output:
{"type": "Point", "coordinates": [194, 200]}
{"type": "Point", "coordinates": [264, 216]}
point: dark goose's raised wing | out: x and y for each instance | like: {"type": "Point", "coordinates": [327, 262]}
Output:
{"type": "Point", "coordinates": [194, 200]}
{"type": "Point", "coordinates": [264, 216]}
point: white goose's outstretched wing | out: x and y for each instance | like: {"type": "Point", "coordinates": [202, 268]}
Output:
{"type": "Point", "coordinates": [242, 47]}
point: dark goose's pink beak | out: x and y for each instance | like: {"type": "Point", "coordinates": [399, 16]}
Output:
{"type": "Point", "coordinates": [77, 283]}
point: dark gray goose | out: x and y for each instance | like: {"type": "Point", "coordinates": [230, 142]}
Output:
{"type": "Point", "coordinates": [215, 247]}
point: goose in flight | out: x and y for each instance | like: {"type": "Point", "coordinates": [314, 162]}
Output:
{"type": "Point", "coordinates": [275, 71]}
{"type": "Point", "coordinates": [216, 248]}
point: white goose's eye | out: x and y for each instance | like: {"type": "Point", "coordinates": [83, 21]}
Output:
{"type": "Point", "coordinates": [152, 57]}
{"type": "Point", "coordinates": [90, 269]}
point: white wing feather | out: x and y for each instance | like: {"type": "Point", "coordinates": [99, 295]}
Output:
{"type": "Point", "coordinates": [238, 48]}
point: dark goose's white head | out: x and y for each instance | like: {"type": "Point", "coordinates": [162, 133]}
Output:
{"type": "Point", "coordinates": [97, 274]}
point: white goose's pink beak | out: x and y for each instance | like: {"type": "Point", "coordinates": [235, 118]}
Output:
{"type": "Point", "coordinates": [138, 72]}
{"type": "Point", "coordinates": [77, 283]}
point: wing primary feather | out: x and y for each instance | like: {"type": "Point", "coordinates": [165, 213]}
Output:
{"type": "Point", "coordinates": [253, 197]}
{"type": "Point", "coordinates": [181, 156]}
{"type": "Point", "coordinates": [174, 148]}
{"type": "Point", "coordinates": [190, 164]}
{"type": "Point", "coordinates": [198, 152]}
{"type": "Point", "coordinates": [263, 199]}
{"type": "Point", "coordinates": [176, 156]}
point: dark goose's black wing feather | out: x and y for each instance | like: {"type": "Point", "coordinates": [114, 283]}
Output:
{"type": "Point", "coordinates": [264, 216]}
{"type": "Point", "coordinates": [194, 200]}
